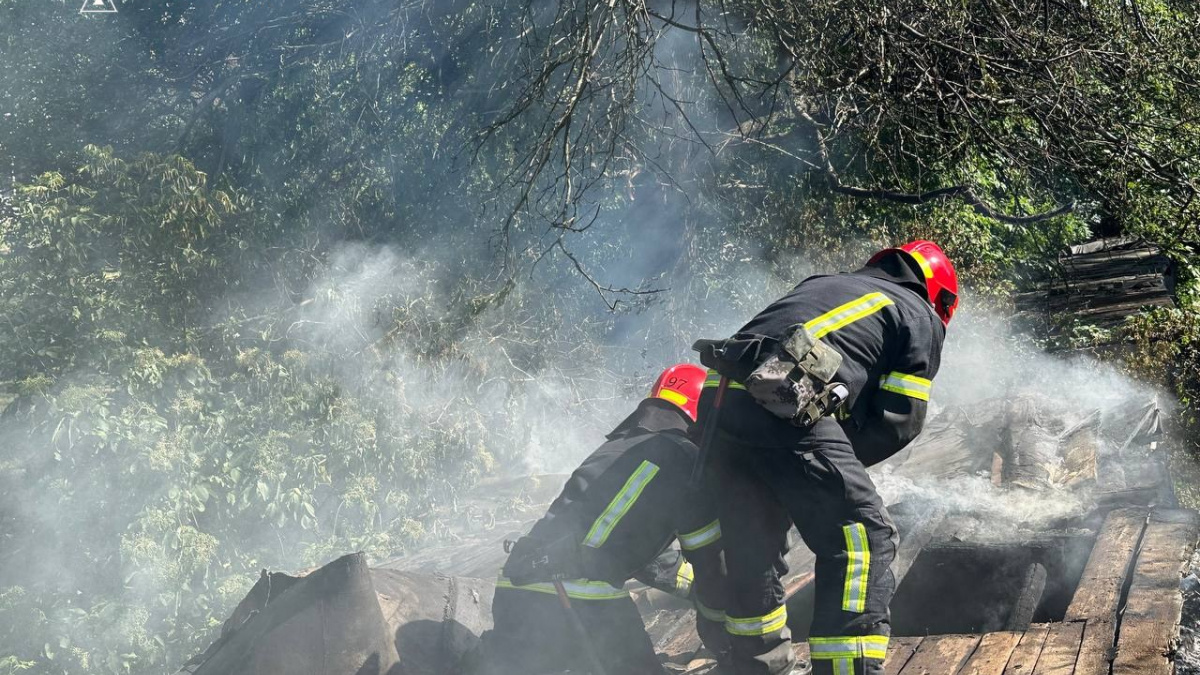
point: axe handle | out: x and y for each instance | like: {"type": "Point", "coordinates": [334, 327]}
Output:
{"type": "Point", "coordinates": [585, 640]}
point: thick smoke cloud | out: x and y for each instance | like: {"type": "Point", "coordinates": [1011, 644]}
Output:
{"type": "Point", "coordinates": [987, 365]}
{"type": "Point", "coordinates": [521, 381]}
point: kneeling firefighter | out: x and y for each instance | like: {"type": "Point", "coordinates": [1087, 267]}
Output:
{"type": "Point", "coordinates": [833, 377]}
{"type": "Point", "coordinates": [614, 520]}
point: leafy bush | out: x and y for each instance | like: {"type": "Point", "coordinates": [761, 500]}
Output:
{"type": "Point", "coordinates": [165, 448]}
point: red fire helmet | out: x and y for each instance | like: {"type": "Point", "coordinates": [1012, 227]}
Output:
{"type": "Point", "coordinates": [941, 281]}
{"type": "Point", "coordinates": [681, 384]}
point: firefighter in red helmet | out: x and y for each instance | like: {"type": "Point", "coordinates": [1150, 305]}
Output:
{"type": "Point", "coordinates": [941, 281]}
{"type": "Point", "coordinates": [829, 379]}
{"type": "Point", "coordinates": [616, 519]}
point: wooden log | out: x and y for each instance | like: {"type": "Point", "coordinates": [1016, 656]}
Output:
{"type": "Point", "coordinates": [1061, 649]}
{"type": "Point", "coordinates": [917, 535]}
{"type": "Point", "coordinates": [992, 654]}
{"type": "Point", "coordinates": [1027, 651]}
{"type": "Point", "coordinates": [1032, 587]}
{"type": "Point", "coordinates": [900, 651]}
{"type": "Point", "coordinates": [1146, 280]}
{"type": "Point", "coordinates": [941, 655]}
{"type": "Point", "coordinates": [1099, 591]}
{"type": "Point", "coordinates": [1150, 623]}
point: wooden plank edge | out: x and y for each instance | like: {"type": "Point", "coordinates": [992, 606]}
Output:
{"type": "Point", "coordinates": [900, 651]}
{"type": "Point", "coordinates": [1061, 649]}
{"type": "Point", "coordinates": [1148, 630]}
{"type": "Point", "coordinates": [1025, 655]}
{"type": "Point", "coordinates": [941, 654]}
{"type": "Point", "coordinates": [1098, 594]}
{"type": "Point", "coordinates": [992, 654]}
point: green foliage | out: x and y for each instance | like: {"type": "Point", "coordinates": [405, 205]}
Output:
{"type": "Point", "coordinates": [160, 459]}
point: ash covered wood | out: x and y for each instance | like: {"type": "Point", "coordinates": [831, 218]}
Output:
{"type": "Point", "coordinates": [1149, 623]}
{"type": "Point", "coordinates": [992, 654]}
{"type": "Point", "coordinates": [1033, 585]}
{"type": "Point", "coordinates": [326, 623]}
{"type": "Point", "coordinates": [431, 607]}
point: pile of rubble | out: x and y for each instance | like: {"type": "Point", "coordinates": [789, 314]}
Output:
{"type": "Point", "coordinates": [423, 613]}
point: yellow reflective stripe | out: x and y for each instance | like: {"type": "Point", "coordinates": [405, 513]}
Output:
{"type": "Point", "coordinates": [620, 505]}
{"type": "Point", "coordinates": [714, 380]}
{"type": "Point", "coordinates": [683, 579]}
{"type": "Point", "coordinates": [579, 589]}
{"type": "Point", "coordinates": [920, 258]}
{"type": "Point", "coordinates": [701, 537]}
{"type": "Point", "coordinates": [757, 625]}
{"type": "Point", "coordinates": [858, 562]}
{"type": "Point", "coordinates": [674, 397]}
{"type": "Point", "coordinates": [843, 667]}
{"type": "Point", "coordinates": [906, 385]}
{"type": "Point", "coordinates": [711, 614]}
{"type": "Point", "coordinates": [846, 314]}
{"type": "Point", "coordinates": [847, 647]}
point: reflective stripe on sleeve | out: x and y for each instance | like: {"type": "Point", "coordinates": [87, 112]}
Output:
{"type": "Point", "coordinates": [906, 385]}
{"type": "Point", "coordinates": [578, 589]}
{"type": "Point", "coordinates": [620, 505]}
{"type": "Point", "coordinates": [701, 537]}
{"type": "Point", "coordinates": [844, 315]}
{"type": "Point", "coordinates": [847, 647]}
{"type": "Point", "coordinates": [757, 625]}
{"type": "Point", "coordinates": [714, 380]}
{"type": "Point", "coordinates": [858, 562]}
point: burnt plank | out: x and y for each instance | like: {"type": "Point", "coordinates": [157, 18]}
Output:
{"type": "Point", "coordinates": [900, 651]}
{"type": "Point", "coordinates": [1032, 587]}
{"type": "Point", "coordinates": [1099, 589]}
{"type": "Point", "coordinates": [1149, 624]}
{"type": "Point", "coordinates": [992, 654]}
{"type": "Point", "coordinates": [1060, 650]}
{"type": "Point", "coordinates": [917, 530]}
{"type": "Point", "coordinates": [1095, 653]}
{"type": "Point", "coordinates": [1027, 651]}
{"type": "Point", "coordinates": [941, 655]}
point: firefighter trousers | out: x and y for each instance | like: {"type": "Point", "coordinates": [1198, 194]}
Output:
{"type": "Point", "coordinates": [816, 483]}
{"type": "Point", "coordinates": [531, 635]}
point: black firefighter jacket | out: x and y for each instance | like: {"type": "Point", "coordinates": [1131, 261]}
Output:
{"type": "Point", "coordinates": [630, 499]}
{"type": "Point", "coordinates": [881, 322]}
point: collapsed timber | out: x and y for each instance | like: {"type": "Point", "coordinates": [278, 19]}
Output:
{"type": "Point", "coordinates": [1091, 589]}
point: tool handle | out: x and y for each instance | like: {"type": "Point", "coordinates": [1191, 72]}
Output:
{"type": "Point", "coordinates": [585, 639]}
{"type": "Point", "coordinates": [710, 429]}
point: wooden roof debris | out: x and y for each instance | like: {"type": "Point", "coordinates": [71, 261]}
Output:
{"type": "Point", "coordinates": [1128, 627]}
{"type": "Point", "coordinates": [1077, 597]}
{"type": "Point", "coordinates": [1100, 284]}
